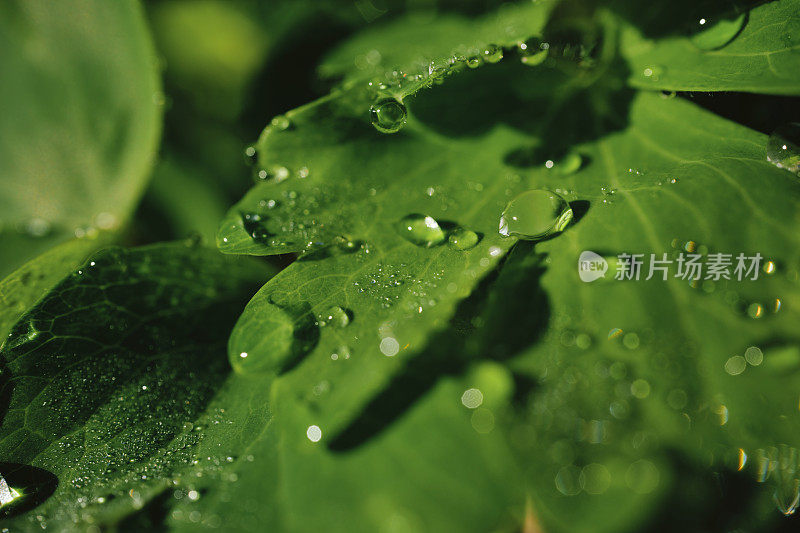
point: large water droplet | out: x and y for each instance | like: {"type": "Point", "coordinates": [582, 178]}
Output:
{"type": "Point", "coordinates": [535, 214]}
{"type": "Point", "coordinates": [7, 494]}
{"type": "Point", "coordinates": [714, 32]}
{"type": "Point", "coordinates": [421, 230]}
{"type": "Point", "coordinates": [335, 316]}
{"type": "Point", "coordinates": [463, 239]}
{"type": "Point", "coordinates": [388, 115]}
{"type": "Point", "coordinates": [780, 466]}
{"type": "Point", "coordinates": [783, 147]}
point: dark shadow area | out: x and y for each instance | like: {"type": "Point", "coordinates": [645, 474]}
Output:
{"type": "Point", "coordinates": [159, 342]}
{"type": "Point", "coordinates": [760, 112]}
{"type": "Point", "coordinates": [152, 517]}
{"type": "Point", "coordinates": [289, 79]}
{"type": "Point", "coordinates": [681, 17]}
{"type": "Point", "coordinates": [34, 484]}
{"type": "Point", "coordinates": [305, 336]}
{"type": "Point", "coordinates": [522, 97]}
{"type": "Point", "coordinates": [478, 330]}
{"type": "Point", "coordinates": [579, 210]}
{"type": "Point", "coordinates": [714, 501]}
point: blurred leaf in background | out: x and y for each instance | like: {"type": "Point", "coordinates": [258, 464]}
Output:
{"type": "Point", "coordinates": [80, 121]}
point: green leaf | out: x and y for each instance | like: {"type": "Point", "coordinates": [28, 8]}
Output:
{"type": "Point", "coordinates": [81, 129]}
{"type": "Point", "coordinates": [754, 51]}
{"type": "Point", "coordinates": [106, 381]}
{"type": "Point", "coordinates": [636, 369]}
{"type": "Point", "coordinates": [26, 285]}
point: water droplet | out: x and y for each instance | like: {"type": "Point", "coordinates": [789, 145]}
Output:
{"type": "Point", "coordinates": [755, 310]}
{"type": "Point", "coordinates": [642, 476]}
{"type": "Point", "coordinates": [463, 239]}
{"type": "Point", "coordinates": [640, 388]}
{"type": "Point", "coordinates": [335, 316]}
{"type": "Point", "coordinates": [474, 62]}
{"type": "Point", "coordinates": [342, 352]}
{"type": "Point", "coordinates": [783, 147]}
{"type": "Point", "coordinates": [535, 214]}
{"type": "Point", "coordinates": [472, 398]}
{"type": "Point", "coordinates": [388, 115]}
{"type": "Point", "coordinates": [389, 346]}
{"type": "Point", "coordinates": [492, 53]}
{"type": "Point", "coordinates": [735, 365]}
{"type": "Point", "coordinates": [314, 433]}
{"type": "Point", "coordinates": [595, 478]}
{"type": "Point", "coordinates": [7, 494]}
{"type": "Point", "coordinates": [653, 72]}
{"type": "Point", "coordinates": [281, 122]}
{"type": "Point", "coordinates": [780, 466]}
{"type": "Point", "coordinates": [250, 155]}
{"type": "Point", "coordinates": [754, 355]}
{"type": "Point", "coordinates": [569, 165]}
{"type": "Point", "coordinates": [421, 230]}
{"type": "Point", "coordinates": [37, 227]}
{"type": "Point", "coordinates": [713, 33]}
{"type": "Point", "coordinates": [568, 480]}
{"type": "Point", "coordinates": [532, 52]}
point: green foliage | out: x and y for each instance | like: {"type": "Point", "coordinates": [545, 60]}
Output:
{"type": "Point", "coordinates": [80, 122]}
{"type": "Point", "coordinates": [405, 366]}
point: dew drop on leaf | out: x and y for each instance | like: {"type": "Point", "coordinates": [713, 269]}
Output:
{"type": "Point", "coordinates": [421, 230]}
{"type": "Point", "coordinates": [342, 352]}
{"type": "Point", "coordinates": [281, 122]}
{"type": "Point", "coordinates": [783, 147]}
{"type": "Point", "coordinates": [713, 33]}
{"type": "Point", "coordinates": [492, 53]}
{"type": "Point", "coordinates": [335, 316]}
{"type": "Point", "coordinates": [653, 72]}
{"type": "Point", "coordinates": [474, 61]}
{"type": "Point", "coordinates": [388, 115]}
{"type": "Point", "coordinates": [7, 494]}
{"type": "Point", "coordinates": [535, 214]}
{"type": "Point", "coordinates": [532, 52]}
{"type": "Point", "coordinates": [463, 239]}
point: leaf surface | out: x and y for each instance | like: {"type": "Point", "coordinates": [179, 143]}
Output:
{"type": "Point", "coordinates": [83, 123]}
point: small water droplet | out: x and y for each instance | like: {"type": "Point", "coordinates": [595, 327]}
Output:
{"type": "Point", "coordinates": [342, 352]}
{"type": "Point", "coordinates": [389, 346]}
{"type": "Point", "coordinates": [37, 227]}
{"type": "Point", "coordinates": [463, 239]}
{"type": "Point", "coordinates": [754, 356]}
{"type": "Point", "coordinates": [388, 115]}
{"type": "Point", "coordinates": [532, 52]}
{"type": "Point", "coordinates": [735, 365]}
{"type": "Point", "coordinates": [281, 122]}
{"type": "Point", "coordinates": [568, 480]}
{"type": "Point", "coordinates": [474, 61]}
{"type": "Point", "coordinates": [653, 72]}
{"type": "Point", "coordinates": [783, 147]}
{"type": "Point", "coordinates": [535, 214]}
{"type": "Point", "coordinates": [314, 433]}
{"type": "Point", "coordinates": [472, 398]}
{"type": "Point", "coordinates": [492, 53]}
{"type": "Point", "coordinates": [421, 230]}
